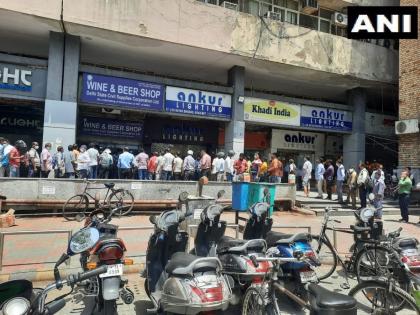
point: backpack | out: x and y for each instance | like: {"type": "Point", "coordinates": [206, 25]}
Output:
{"type": "Point", "coordinates": [5, 160]}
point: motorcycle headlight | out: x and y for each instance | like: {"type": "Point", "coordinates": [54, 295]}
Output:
{"type": "Point", "coordinates": [16, 306]}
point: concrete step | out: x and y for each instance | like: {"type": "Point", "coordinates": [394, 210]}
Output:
{"type": "Point", "coordinates": [349, 211]}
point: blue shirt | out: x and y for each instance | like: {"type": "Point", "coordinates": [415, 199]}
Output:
{"type": "Point", "coordinates": [320, 170]}
{"type": "Point", "coordinates": [125, 160]}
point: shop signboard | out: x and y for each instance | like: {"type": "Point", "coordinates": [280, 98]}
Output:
{"type": "Point", "coordinates": [20, 122]}
{"type": "Point", "coordinates": [120, 92]}
{"type": "Point", "coordinates": [271, 112]}
{"type": "Point", "coordinates": [297, 141]}
{"type": "Point", "coordinates": [103, 127]}
{"type": "Point", "coordinates": [198, 103]}
{"type": "Point", "coordinates": [22, 80]}
{"type": "Point", "coordinates": [326, 118]}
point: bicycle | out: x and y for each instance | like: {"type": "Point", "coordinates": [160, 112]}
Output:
{"type": "Point", "coordinates": [384, 295]}
{"type": "Point", "coordinates": [263, 298]}
{"type": "Point", "coordinates": [328, 254]}
{"type": "Point", "coordinates": [76, 207]}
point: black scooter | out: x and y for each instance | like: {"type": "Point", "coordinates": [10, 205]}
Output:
{"type": "Point", "coordinates": [179, 282]}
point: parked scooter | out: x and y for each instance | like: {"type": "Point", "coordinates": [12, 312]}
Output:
{"type": "Point", "coordinates": [178, 282]}
{"type": "Point", "coordinates": [234, 253]}
{"type": "Point", "coordinates": [108, 251]}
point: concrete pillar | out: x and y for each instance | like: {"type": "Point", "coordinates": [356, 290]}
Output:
{"type": "Point", "coordinates": [354, 144]}
{"type": "Point", "coordinates": [235, 129]}
{"type": "Point", "coordinates": [61, 104]}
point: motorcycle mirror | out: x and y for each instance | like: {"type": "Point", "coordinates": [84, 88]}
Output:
{"type": "Point", "coordinates": [183, 196]}
{"type": "Point", "coordinates": [220, 194]}
{"type": "Point", "coordinates": [152, 219]}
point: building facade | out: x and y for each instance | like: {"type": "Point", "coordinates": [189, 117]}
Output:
{"type": "Point", "coordinates": [409, 105]}
{"type": "Point", "coordinates": [248, 75]}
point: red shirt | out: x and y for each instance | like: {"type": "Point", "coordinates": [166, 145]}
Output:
{"type": "Point", "coordinates": [240, 166]}
{"type": "Point", "coordinates": [14, 157]}
{"type": "Point", "coordinates": [152, 165]}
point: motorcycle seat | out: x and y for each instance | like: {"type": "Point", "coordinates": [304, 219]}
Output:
{"type": "Point", "coordinates": [183, 264]}
{"type": "Point", "coordinates": [229, 244]}
{"type": "Point", "coordinates": [109, 185]}
{"type": "Point", "coordinates": [327, 300]}
{"type": "Point", "coordinates": [274, 238]}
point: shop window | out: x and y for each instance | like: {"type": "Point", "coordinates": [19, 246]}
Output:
{"type": "Point", "coordinates": [308, 21]}
{"type": "Point", "coordinates": [325, 14]}
{"type": "Point", "coordinates": [324, 26]}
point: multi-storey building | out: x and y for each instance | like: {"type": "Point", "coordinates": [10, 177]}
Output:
{"type": "Point", "coordinates": [249, 75]}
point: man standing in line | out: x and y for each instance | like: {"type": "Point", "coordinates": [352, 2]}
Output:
{"type": "Point", "coordinates": [319, 177]}
{"type": "Point", "coordinates": [94, 157]}
{"type": "Point", "coordinates": [205, 164]}
{"type": "Point", "coordinates": [106, 162]}
{"type": "Point", "coordinates": [152, 166]}
{"type": "Point", "coordinates": [362, 183]}
{"type": "Point", "coordinates": [177, 168]}
{"type": "Point", "coordinates": [240, 165]}
{"type": "Point", "coordinates": [341, 174]}
{"type": "Point", "coordinates": [34, 160]}
{"type": "Point", "coordinates": [15, 156]}
{"type": "Point", "coordinates": [168, 164]}
{"type": "Point", "coordinates": [229, 165]}
{"type": "Point", "coordinates": [69, 162]}
{"type": "Point", "coordinates": [125, 163]}
{"type": "Point", "coordinates": [306, 176]}
{"type": "Point", "coordinates": [142, 160]}
{"type": "Point", "coordinates": [159, 166]}
{"type": "Point", "coordinates": [329, 178]}
{"type": "Point", "coordinates": [46, 161]}
{"type": "Point", "coordinates": [275, 170]}
{"type": "Point", "coordinates": [189, 166]}
{"type": "Point", "coordinates": [352, 184]}
{"type": "Point", "coordinates": [220, 167]}
{"type": "Point", "coordinates": [213, 168]}
{"type": "Point", "coordinates": [378, 191]}
{"type": "Point", "coordinates": [83, 162]}
{"type": "Point", "coordinates": [404, 191]}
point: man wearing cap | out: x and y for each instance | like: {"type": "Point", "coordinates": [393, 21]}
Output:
{"type": "Point", "coordinates": [189, 166]}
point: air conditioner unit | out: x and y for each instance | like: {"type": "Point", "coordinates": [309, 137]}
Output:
{"type": "Point", "coordinates": [229, 5]}
{"type": "Point", "coordinates": [407, 126]}
{"type": "Point", "coordinates": [273, 16]}
{"type": "Point", "coordinates": [111, 111]}
{"type": "Point", "coordinates": [309, 6]}
{"type": "Point", "coordinates": [340, 19]}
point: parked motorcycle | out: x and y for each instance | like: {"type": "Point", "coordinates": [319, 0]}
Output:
{"type": "Point", "coordinates": [179, 282]}
{"type": "Point", "coordinates": [108, 251]}
{"type": "Point", "coordinates": [18, 297]}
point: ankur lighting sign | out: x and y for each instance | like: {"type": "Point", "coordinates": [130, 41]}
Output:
{"type": "Point", "coordinates": [326, 118]}
{"type": "Point", "coordinates": [198, 103]}
{"type": "Point", "coordinates": [271, 112]}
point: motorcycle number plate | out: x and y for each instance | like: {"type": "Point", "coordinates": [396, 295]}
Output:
{"type": "Point", "coordinates": [113, 271]}
{"type": "Point", "coordinates": [308, 276]}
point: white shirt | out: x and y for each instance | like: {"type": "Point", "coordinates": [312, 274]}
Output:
{"type": "Point", "coordinates": [213, 169]}
{"type": "Point", "coordinates": [83, 161]}
{"type": "Point", "coordinates": [229, 165]}
{"type": "Point", "coordinates": [341, 172]}
{"type": "Point", "coordinates": [363, 176]}
{"type": "Point", "coordinates": [93, 156]}
{"type": "Point", "coordinates": [177, 165]}
{"type": "Point", "coordinates": [307, 169]}
{"type": "Point", "coordinates": [168, 159]}
{"type": "Point", "coordinates": [219, 166]}
{"type": "Point", "coordinates": [382, 175]}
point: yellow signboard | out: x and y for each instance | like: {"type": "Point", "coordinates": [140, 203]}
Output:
{"type": "Point", "coordinates": [271, 112]}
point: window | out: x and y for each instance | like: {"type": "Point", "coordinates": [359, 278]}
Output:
{"type": "Point", "coordinates": [292, 4]}
{"type": "Point", "coordinates": [308, 21]}
{"type": "Point", "coordinates": [291, 17]}
{"type": "Point", "coordinates": [324, 26]}
{"type": "Point", "coordinates": [325, 14]}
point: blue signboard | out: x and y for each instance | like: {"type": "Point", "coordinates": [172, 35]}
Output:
{"type": "Point", "coordinates": [93, 126]}
{"type": "Point", "coordinates": [119, 92]}
{"type": "Point", "coordinates": [326, 118]}
{"type": "Point", "coordinates": [198, 103]}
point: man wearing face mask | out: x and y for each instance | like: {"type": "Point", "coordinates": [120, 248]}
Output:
{"type": "Point", "coordinates": [46, 161]}
{"type": "Point", "coordinates": [34, 160]}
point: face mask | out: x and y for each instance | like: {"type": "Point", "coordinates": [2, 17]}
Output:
{"type": "Point", "coordinates": [36, 147]}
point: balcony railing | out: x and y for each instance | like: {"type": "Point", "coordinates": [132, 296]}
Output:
{"type": "Point", "coordinates": [305, 13]}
